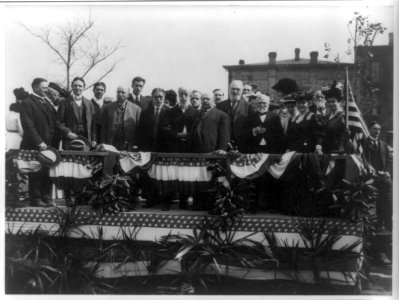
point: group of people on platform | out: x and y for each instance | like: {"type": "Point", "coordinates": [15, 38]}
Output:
{"type": "Point", "coordinates": [188, 121]}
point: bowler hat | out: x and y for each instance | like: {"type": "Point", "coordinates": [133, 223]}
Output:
{"type": "Point", "coordinates": [49, 157]}
{"type": "Point", "coordinates": [286, 86]}
{"type": "Point", "coordinates": [79, 144]}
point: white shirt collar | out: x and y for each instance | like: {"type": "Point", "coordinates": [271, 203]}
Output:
{"type": "Point", "coordinates": [41, 97]}
{"type": "Point", "coordinates": [100, 101]}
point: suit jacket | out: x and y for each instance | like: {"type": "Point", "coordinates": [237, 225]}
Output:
{"type": "Point", "coordinates": [150, 139]}
{"type": "Point", "coordinates": [377, 157]}
{"type": "Point", "coordinates": [98, 116]}
{"type": "Point", "coordinates": [212, 132]}
{"type": "Point", "coordinates": [67, 118]}
{"type": "Point", "coordinates": [144, 103]}
{"type": "Point", "coordinates": [175, 124]}
{"type": "Point", "coordinates": [131, 120]}
{"type": "Point", "coordinates": [273, 136]}
{"type": "Point", "coordinates": [38, 123]}
{"type": "Point", "coordinates": [239, 122]}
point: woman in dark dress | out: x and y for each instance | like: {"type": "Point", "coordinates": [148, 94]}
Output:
{"type": "Point", "coordinates": [335, 138]}
{"type": "Point", "coordinates": [303, 130]}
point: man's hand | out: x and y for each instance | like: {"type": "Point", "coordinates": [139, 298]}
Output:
{"type": "Point", "coordinates": [72, 136]}
{"type": "Point", "coordinates": [181, 134]}
{"type": "Point", "coordinates": [221, 152]}
{"type": "Point", "coordinates": [43, 146]}
{"type": "Point", "coordinates": [319, 150]}
{"type": "Point", "coordinates": [93, 144]}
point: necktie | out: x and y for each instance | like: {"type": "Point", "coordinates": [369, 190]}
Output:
{"type": "Point", "coordinates": [262, 114]}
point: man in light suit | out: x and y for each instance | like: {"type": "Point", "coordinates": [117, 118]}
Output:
{"type": "Point", "coordinates": [136, 97]}
{"type": "Point", "coordinates": [75, 116]}
{"type": "Point", "coordinates": [99, 102]}
{"type": "Point", "coordinates": [120, 121]}
{"type": "Point", "coordinates": [239, 112]}
{"type": "Point", "coordinates": [38, 123]}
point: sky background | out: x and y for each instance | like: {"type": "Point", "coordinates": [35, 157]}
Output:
{"type": "Point", "coordinates": [181, 45]}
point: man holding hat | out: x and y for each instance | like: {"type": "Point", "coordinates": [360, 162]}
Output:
{"type": "Point", "coordinates": [38, 123]}
{"type": "Point", "coordinates": [75, 117]}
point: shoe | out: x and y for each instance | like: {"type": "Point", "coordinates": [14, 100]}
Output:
{"type": "Point", "coordinates": [165, 206]}
{"type": "Point", "coordinates": [183, 205]}
{"type": "Point", "coordinates": [39, 203]}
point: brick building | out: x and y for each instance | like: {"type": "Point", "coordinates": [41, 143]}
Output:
{"type": "Point", "coordinates": [378, 70]}
{"type": "Point", "coordinates": [308, 72]}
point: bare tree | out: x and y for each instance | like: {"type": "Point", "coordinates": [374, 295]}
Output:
{"type": "Point", "coordinates": [362, 34]}
{"type": "Point", "coordinates": [78, 49]}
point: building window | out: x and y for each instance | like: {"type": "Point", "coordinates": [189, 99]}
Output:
{"type": "Point", "coordinates": [375, 72]}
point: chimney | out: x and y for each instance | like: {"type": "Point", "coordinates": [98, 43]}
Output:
{"type": "Point", "coordinates": [313, 57]}
{"type": "Point", "coordinates": [297, 51]}
{"type": "Point", "coordinates": [391, 39]}
{"type": "Point", "coordinates": [272, 58]}
{"type": "Point", "coordinates": [241, 62]}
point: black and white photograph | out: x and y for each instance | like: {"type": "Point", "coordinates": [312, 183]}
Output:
{"type": "Point", "coordinates": [200, 149]}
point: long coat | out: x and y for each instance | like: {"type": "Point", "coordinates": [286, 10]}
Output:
{"type": "Point", "coordinates": [131, 119]}
{"type": "Point", "coordinates": [67, 118]}
{"type": "Point", "coordinates": [273, 136]}
{"type": "Point", "coordinates": [211, 132]}
{"type": "Point", "coordinates": [144, 103]}
{"type": "Point", "coordinates": [150, 139]}
{"type": "Point", "coordinates": [98, 116]}
{"type": "Point", "coordinates": [38, 123]}
{"type": "Point", "coordinates": [239, 122]}
{"type": "Point", "coordinates": [333, 136]}
{"type": "Point", "coordinates": [176, 121]}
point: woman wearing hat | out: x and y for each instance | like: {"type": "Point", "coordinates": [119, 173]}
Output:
{"type": "Point", "coordinates": [334, 138]}
{"type": "Point", "coordinates": [302, 129]}
{"type": "Point", "coordinates": [13, 120]}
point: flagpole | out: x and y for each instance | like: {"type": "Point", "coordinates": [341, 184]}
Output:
{"type": "Point", "coordinates": [346, 97]}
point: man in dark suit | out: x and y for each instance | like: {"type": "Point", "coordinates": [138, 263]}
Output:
{"type": "Point", "coordinates": [38, 123]}
{"type": "Point", "coordinates": [151, 136]}
{"type": "Point", "coordinates": [180, 125]}
{"type": "Point", "coordinates": [376, 152]}
{"type": "Point", "coordinates": [99, 102]}
{"type": "Point", "coordinates": [75, 116]}
{"type": "Point", "coordinates": [152, 120]}
{"type": "Point", "coordinates": [239, 112]}
{"type": "Point", "coordinates": [136, 97]}
{"type": "Point", "coordinates": [212, 134]}
{"type": "Point", "coordinates": [218, 95]}
{"type": "Point", "coordinates": [120, 122]}
{"type": "Point", "coordinates": [212, 130]}
{"type": "Point", "coordinates": [267, 132]}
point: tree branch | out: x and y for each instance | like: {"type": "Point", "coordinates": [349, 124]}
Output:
{"type": "Point", "coordinates": [105, 74]}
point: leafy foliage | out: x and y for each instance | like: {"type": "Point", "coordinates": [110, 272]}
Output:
{"type": "Point", "coordinates": [118, 193]}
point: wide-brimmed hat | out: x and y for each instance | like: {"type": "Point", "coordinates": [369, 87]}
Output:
{"type": "Point", "coordinates": [49, 157]}
{"type": "Point", "coordinates": [79, 144]}
{"type": "Point", "coordinates": [289, 99]}
{"type": "Point", "coordinates": [63, 92]}
{"type": "Point", "coordinates": [301, 96]}
{"type": "Point", "coordinates": [286, 86]}
{"type": "Point", "coordinates": [335, 91]}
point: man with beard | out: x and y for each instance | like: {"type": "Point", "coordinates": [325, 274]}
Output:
{"type": "Point", "coordinates": [120, 121]}
{"type": "Point", "coordinates": [239, 112]}
{"type": "Point", "coordinates": [99, 102]}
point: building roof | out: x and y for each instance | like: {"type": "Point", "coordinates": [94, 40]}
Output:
{"type": "Point", "coordinates": [287, 62]}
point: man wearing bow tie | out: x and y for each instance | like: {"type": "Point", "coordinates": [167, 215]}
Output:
{"type": "Point", "coordinates": [75, 116]}
{"type": "Point", "coordinates": [136, 97]}
{"type": "Point", "coordinates": [38, 123]}
{"type": "Point", "coordinates": [376, 152]}
{"type": "Point", "coordinates": [267, 132]}
{"type": "Point", "coordinates": [120, 122]}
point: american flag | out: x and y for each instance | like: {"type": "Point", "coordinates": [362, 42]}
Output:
{"type": "Point", "coordinates": [356, 125]}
